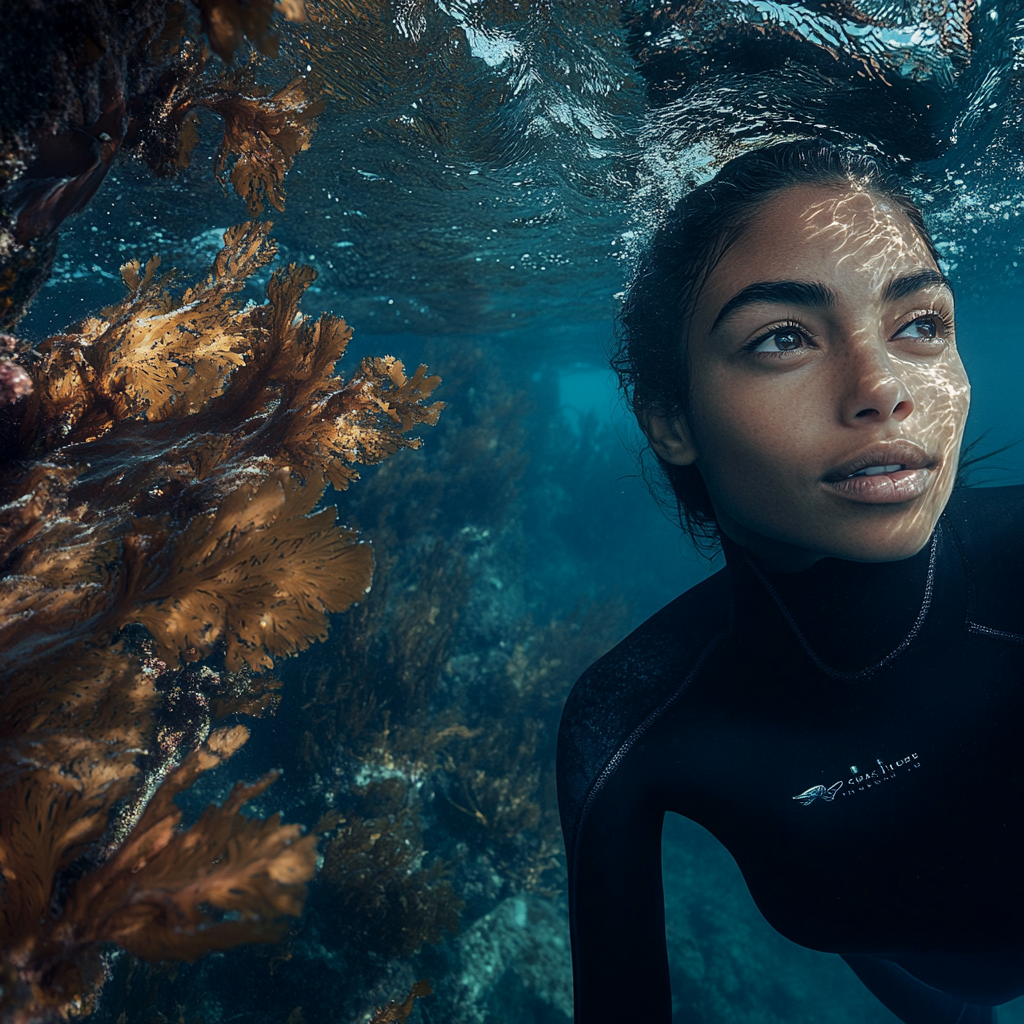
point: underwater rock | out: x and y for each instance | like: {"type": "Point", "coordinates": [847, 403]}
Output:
{"type": "Point", "coordinates": [514, 964]}
{"type": "Point", "coordinates": [15, 383]}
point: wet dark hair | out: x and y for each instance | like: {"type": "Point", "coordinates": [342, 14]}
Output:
{"type": "Point", "coordinates": [649, 357]}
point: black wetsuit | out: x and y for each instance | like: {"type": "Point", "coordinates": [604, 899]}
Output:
{"type": "Point", "coordinates": [852, 734]}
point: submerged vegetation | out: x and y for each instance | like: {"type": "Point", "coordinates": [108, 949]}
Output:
{"type": "Point", "coordinates": [88, 81]}
{"type": "Point", "coordinates": [164, 545]}
{"type": "Point", "coordinates": [417, 742]}
{"type": "Point", "coordinates": [160, 550]}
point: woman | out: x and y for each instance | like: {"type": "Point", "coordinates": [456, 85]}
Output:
{"type": "Point", "coordinates": [841, 705]}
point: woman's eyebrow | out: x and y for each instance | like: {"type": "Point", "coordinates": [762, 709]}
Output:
{"type": "Point", "coordinates": [900, 287]}
{"type": "Point", "coordinates": [811, 293]}
{"type": "Point", "coordinates": [794, 293]}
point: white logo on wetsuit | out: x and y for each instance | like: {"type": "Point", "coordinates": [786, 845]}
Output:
{"type": "Point", "coordinates": [857, 783]}
{"type": "Point", "coordinates": [808, 796]}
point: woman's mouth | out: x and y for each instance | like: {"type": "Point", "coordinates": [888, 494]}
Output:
{"type": "Point", "coordinates": [878, 470]}
{"type": "Point", "coordinates": [885, 474]}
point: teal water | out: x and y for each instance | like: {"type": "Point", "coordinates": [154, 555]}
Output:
{"type": "Point", "coordinates": [496, 251]}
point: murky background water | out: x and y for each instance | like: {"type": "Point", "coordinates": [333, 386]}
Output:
{"type": "Point", "coordinates": [481, 178]}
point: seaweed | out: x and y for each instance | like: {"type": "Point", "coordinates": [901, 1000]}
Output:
{"type": "Point", "coordinates": [396, 1013]}
{"type": "Point", "coordinates": [373, 870]}
{"type": "Point", "coordinates": [262, 130]}
{"type": "Point", "coordinates": [159, 548]}
{"type": "Point", "coordinates": [498, 773]}
{"type": "Point", "coordinates": [427, 716]}
{"type": "Point", "coordinates": [227, 23]}
{"type": "Point", "coordinates": [192, 439]}
{"type": "Point", "coordinates": [87, 81]}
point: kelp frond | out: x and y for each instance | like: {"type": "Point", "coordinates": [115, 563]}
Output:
{"type": "Point", "coordinates": [395, 1012]}
{"type": "Point", "coordinates": [391, 903]}
{"type": "Point", "coordinates": [176, 448]}
{"type": "Point", "coordinates": [258, 574]}
{"type": "Point", "coordinates": [227, 22]}
{"type": "Point", "coordinates": [164, 894]}
{"type": "Point", "coordinates": [158, 507]}
{"type": "Point", "coordinates": [106, 77]}
{"type": "Point", "coordinates": [262, 131]}
{"type": "Point", "coordinates": [157, 896]}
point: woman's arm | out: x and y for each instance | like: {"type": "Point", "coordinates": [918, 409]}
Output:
{"type": "Point", "coordinates": [616, 907]}
{"type": "Point", "coordinates": [612, 799]}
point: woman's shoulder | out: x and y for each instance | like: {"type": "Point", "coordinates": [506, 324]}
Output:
{"type": "Point", "coordinates": [988, 523]}
{"type": "Point", "coordinates": [620, 690]}
{"type": "Point", "coordinates": [656, 651]}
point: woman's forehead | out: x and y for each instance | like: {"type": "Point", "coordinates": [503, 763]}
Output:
{"type": "Point", "coordinates": [843, 236]}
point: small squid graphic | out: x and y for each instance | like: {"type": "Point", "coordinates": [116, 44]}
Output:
{"type": "Point", "coordinates": [808, 796]}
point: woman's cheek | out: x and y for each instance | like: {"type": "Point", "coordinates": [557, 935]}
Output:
{"type": "Point", "coordinates": [750, 443]}
{"type": "Point", "coordinates": [943, 402]}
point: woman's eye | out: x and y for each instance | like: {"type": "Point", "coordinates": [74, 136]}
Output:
{"type": "Point", "coordinates": [786, 339]}
{"type": "Point", "coordinates": [924, 328]}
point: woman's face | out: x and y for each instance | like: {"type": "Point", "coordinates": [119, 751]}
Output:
{"type": "Point", "coordinates": [827, 399]}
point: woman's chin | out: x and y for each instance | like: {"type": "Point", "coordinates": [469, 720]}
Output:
{"type": "Point", "coordinates": [872, 539]}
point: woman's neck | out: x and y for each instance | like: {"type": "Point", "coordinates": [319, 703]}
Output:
{"type": "Point", "coordinates": [850, 614]}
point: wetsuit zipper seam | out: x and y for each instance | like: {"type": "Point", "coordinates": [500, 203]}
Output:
{"type": "Point", "coordinates": [965, 563]}
{"type": "Point", "coordinates": [613, 763]}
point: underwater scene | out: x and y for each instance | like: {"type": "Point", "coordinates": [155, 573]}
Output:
{"type": "Point", "coordinates": [318, 492]}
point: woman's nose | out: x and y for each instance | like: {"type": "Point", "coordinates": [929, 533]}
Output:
{"type": "Point", "coordinates": [874, 389]}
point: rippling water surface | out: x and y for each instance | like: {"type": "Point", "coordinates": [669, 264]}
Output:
{"type": "Point", "coordinates": [485, 162]}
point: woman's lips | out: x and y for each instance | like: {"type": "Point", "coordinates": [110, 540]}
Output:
{"type": "Point", "coordinates": [887, 472]}
{"type": "Point", "coordinates": [883, 488]}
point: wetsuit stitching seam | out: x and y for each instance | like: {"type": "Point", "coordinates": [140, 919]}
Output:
{"type": "Point", "coordinates": [616, 759]}
{"type": "Point", "coordinates": [996, 634]}
{"type": "Point", "coordinates": [964, 562]}
{"type": "Point", "coordinates": [926, 602]}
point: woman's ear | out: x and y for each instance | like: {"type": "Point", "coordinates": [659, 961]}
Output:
{"type": "Point", "coordinates": [670, 438]}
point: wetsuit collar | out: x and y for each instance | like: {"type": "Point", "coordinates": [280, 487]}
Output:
{"type": "Point", "coordinates": [851, 618]}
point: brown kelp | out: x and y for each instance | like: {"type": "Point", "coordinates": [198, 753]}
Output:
{"type": "Point", "coordinates": [160, 549]}
{"type": "Point", "coordinates": [262, 129]}
{"type": "Point", "coordinates": [395, 1012]}
{"type": "Point", "coordinates": [417, 743]}
{"type": "Point", "coordinates": [392, 905]}
{"type": "Point", "coordinates": [87, 80]}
